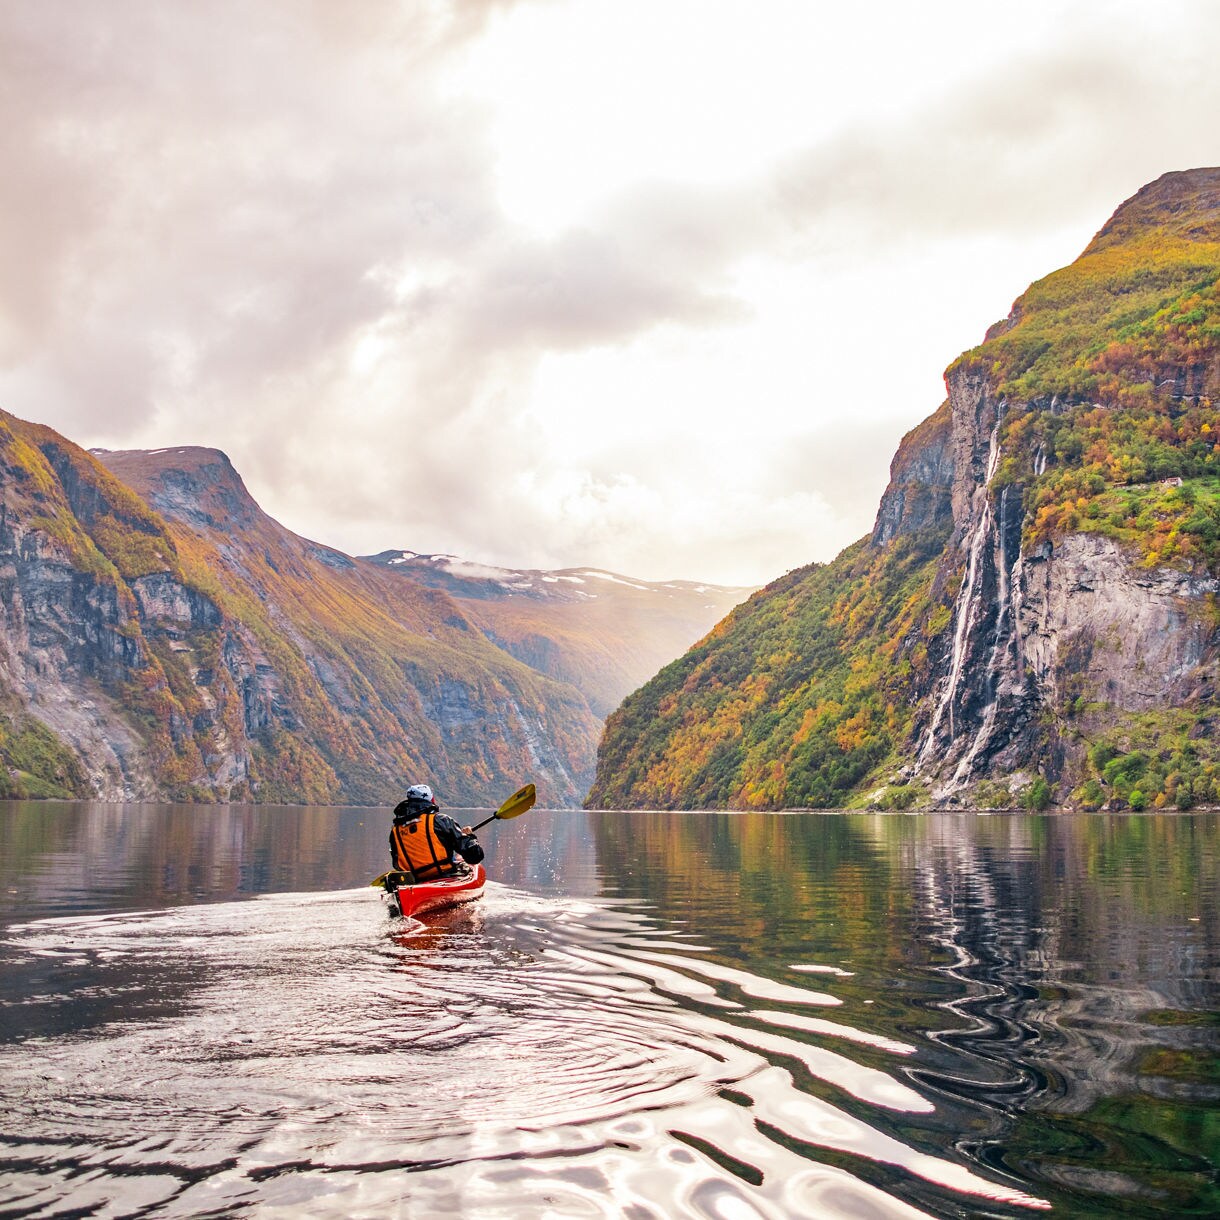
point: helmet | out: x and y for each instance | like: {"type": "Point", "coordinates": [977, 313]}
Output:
{"type": "Point", "coordinates": [419, 800]}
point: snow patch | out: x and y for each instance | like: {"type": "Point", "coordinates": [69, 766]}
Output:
{"type": "Point", "coordinates": [615, 580]}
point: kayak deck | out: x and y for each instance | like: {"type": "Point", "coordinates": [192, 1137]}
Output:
{"type": "Point", "coordinates": [425, 897]}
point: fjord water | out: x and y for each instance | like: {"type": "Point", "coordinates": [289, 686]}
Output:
{"type": "Point", "coordinates": [204, 1011]}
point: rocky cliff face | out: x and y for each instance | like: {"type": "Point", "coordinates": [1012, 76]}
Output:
{"type": "Point", "coordinates": [1059, 634]}
{"type": "Point", "coordinates": [919, 495]}
{"type": "Point", "coordinates": [1035, 612]}
{"type": "Point", "coordinates": [361, 676]}
{"type": "Point", "coordinates": [967, 701]}
{"type": "Point", "coordinates": [69, 630]}
{"type": "Point", "coordinates": [180, 644]}
{"type": "Point", "coordinates": [1039, 630]}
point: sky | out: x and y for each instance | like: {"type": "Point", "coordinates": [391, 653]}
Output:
{"type": "Point", "coordinates": [650, 285]}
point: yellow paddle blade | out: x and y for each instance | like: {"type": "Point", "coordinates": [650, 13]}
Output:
{"type": "Point", "coordinates": [518, 803]}
{"type": "Point", "coordinates": [400, 878]}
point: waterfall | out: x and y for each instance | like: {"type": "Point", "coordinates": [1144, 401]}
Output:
{"type": "Point", "coordinates": [995, 658]}
{"type": "Point", "coordinates": [968, 598]}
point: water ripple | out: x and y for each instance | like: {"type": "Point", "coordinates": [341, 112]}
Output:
{"type": "Point", "coordinates": [525, 1056]}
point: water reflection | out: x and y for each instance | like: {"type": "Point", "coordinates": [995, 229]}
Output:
{"type": "Point", "coordinates": [1059, 975]}
{"type": "Point", "coordinates": [62, 858]}
{"type": "Point", "coordinates": [652, 1014]}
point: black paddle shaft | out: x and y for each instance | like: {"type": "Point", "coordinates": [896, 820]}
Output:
{"type": "Point", "coordinates": [517, 804]}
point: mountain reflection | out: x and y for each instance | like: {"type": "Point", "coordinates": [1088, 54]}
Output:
{"type": "Point", "coordinates": [1060, 973]}
{"type": "Point", "coordinates": [62, 858]}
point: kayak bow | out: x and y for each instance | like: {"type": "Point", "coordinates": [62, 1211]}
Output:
{"type": "Point", "coordinates": [424, 897]}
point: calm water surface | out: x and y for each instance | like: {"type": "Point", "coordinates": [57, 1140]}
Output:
{"type": "Point", "coordinates": [206, 1012]}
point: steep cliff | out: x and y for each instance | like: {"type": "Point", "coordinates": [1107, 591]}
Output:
{"type": "Point", "coordinates": [1035, 612]}
{"type": "Point", "coordinates": [605, 634]}
{"type": "Point", "coordinates": [179, 643]}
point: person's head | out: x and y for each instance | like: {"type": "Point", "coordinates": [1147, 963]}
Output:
{"type": "Point", "coordinates": [419, 799]}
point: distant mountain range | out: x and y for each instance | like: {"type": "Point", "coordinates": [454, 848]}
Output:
{"type": "Point", "coordinates": [605, 634]}
{"type": "Point", "coordinates": [162, 637]}
{"type": "Point", "coordinates": [1034, 617]}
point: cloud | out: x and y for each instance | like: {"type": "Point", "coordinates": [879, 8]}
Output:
{"type": "Point", "coordinates": [1065, 133]}
{"type": "Point", "coordinates": [218, 211]}
{"type": "Point", "coordinates": [277, 229]}
{"type": "Point", "coordinates": [839, 459]}
{"type": "Point", "coordinates": [252, 196]}
{"type": "Point", "coordinates": [590, 287]}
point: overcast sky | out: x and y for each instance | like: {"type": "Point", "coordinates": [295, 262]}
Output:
{"type": "Point", "coordinates": [655, 285]}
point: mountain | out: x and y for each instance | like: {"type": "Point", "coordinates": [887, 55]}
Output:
{"type": "Point", "coordinates": [603, 633]}
{"type": "Point", "coordinates": [162, 637]}
{"type": "Point", "coordinates": [1034, 616]}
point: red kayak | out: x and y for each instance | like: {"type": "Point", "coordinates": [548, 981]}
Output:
{"type": "Point", "coordinates": [425, 897]}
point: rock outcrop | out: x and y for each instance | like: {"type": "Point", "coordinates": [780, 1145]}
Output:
{"type": "Point", "coordinates": [1038, 631]}
{"type": "Point", "coordinates": [919, 495]}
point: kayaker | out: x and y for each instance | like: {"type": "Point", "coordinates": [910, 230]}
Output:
{"type": "Point", "coordinates": [425, 842]}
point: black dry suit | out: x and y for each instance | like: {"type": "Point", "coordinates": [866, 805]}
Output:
{"type": "Point", "coordinates": [423, 842]}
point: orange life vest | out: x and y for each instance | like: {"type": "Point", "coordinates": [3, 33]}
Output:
{"type": "Point", "coordinates": [417, 849]}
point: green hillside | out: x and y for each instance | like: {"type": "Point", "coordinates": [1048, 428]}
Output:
{"type": "Point", "coordinates": [1112, 363]}
{"type": "Point", "coordinates": [793, 701]}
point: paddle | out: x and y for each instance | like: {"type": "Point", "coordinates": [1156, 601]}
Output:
{"type": "Point", "coordinates": [517, 804]}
